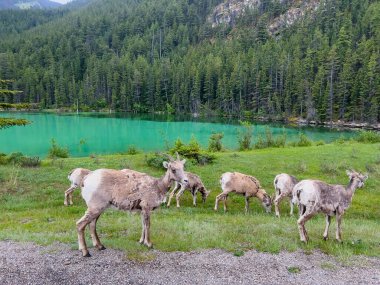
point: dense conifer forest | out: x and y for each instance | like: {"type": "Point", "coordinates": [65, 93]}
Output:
{"type": "Point", "coordinates": [165, 56]}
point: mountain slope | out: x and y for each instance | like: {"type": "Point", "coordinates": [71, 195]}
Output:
{"type": "Point", "coordinates": [27, 4]}
{"type": "Point", "coordinates": [166, 56]}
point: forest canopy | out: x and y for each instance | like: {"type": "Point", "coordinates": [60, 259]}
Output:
{"type": "Point", "coordinates": [164, 56]}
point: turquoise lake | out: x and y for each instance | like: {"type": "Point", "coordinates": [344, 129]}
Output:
{"type": "Point", "coordinates": [94, 133]}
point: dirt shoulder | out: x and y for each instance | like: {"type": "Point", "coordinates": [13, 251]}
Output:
{"type": "Point", "coordinates": [27, 263]}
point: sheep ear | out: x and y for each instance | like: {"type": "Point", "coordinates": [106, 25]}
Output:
{"type": "Point", "coordinates": [365, 176]}
{"type": "Point", "coordinates": [183, 161]}
{"type": "Point", "coordinates": [165, 164]}
{"type": "Point", "coordinates": [348, 172]}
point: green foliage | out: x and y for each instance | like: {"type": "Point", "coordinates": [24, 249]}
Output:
{"type": "Point", "coordinates": [215, 142]}
{"type": "Point", "coordinates": [156, 160]}
{"type": "Point", "coordinates": [270, 141]}
{"type": "Point", "coordinates": [17, 158]}
{"type": "Point", "coordinates": [303, 140]}
{"type": "Point", "coordinates": [368, 137]}
{"type": "Point", "coordinates": [56, 151]}
{"type": "Point", "coordinates": [9, 122]}
{"type": "Point", "coordinates": [132, 150]}
{"type": "Point", "coordinates": [192, 151]}
{"type": "Point", "coordinates": [164, 56]}
{"type": "Point", "coordinates": [245, 135]}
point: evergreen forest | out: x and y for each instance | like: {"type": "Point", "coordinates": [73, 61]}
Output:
{"type": "Point", "coordinates": [165, 56]}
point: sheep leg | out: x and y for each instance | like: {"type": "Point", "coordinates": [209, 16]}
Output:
{"type": "Point", "coordinates": [81, 225]}
{"type": "Point", "coordinates": [326, 233]}
{"type": "Point", "coordinates": [68, 194]}
{"type": "Point", "coordinates": [179, 194]}
{"type": "Point", "coordinates": [218, 198]}
{"type": "Point", "coordinates": [194, 193]}
{"type": "Point", "coordinates": [145, 237]}
{"type": "Point", "coordinates": [94, 235]}
{"type": "Point", "coordinates": [176, 187]}
{"type": "Point", "coordinates": [225, 203]}
{"type": "Point", "coordinates": [338, 227]}
{"type": "Point", "coordinates": [291, 207]}
{"type": "Point", "coordinates": [301, 224]}
{"type": "Point", "coordinates": [246, 204]}
{"type": "Point", "coordinates": [277, 202]}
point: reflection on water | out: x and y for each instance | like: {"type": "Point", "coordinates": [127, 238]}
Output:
{"type": "Point", "coordinates": [103, 133]}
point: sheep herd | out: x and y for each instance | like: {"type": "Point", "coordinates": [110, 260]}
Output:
{"type": "Point", "coordinates": [131, 190]}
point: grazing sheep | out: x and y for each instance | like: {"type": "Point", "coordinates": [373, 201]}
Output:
{"type": "Point", "coordinates": [315, 196]}
{"type": "Point", "coordinates": [245, 185]}
{"type": "Point", "coordinates": [76, 177]}
{"type": "Point", "coordinates": [132, 191]}
{"type": "Point", "coordinates": [194, 185]}
{"type": "Point", "coordinates": [283, 185]}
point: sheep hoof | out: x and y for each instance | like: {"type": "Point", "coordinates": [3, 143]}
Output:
{"type": "Point", "coordinates": [87, 254]}
{"type": "Point", "coordinates": [102, 247]}
{"type": "Point", "coordinates": [325, 238]}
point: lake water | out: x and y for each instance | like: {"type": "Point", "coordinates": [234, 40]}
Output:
{"type": "Point", "coordinates": [89, 133]}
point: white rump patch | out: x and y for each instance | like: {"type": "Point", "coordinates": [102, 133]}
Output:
{"type": "Point", "coordinates": [226, 177]}
{"type": "Point", "coordinates": [91, 184]}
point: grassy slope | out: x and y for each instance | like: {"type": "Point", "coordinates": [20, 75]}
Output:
{"type": "Point", "coordinates": [32, 204]}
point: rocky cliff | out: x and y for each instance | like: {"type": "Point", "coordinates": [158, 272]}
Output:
{"type": "Point", "coordinates": [227, 12]}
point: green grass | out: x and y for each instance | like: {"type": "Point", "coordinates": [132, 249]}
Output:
{"type": "Point", "coordinates": [32, 205]}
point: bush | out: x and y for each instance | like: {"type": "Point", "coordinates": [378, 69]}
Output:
{"type": "Point", "coordinates": [56, 151]}
{"type": "Point", "coordinates": [245, 135]}
{"type": "Point", "coordinates": [156, 160]}
{"type": "Point", "coordinates": [132, 150]}
{"type": "Point", "coordinates": [303, 140]}
{"type": "Point", "coordinates": [269, 141]}
{"type": "Point", "coordinates": [15, 158]}
{"type": "Point", "coordinates": [192, 151]}
{"type": "Point", "coordinates": [320, 142]}
{"type": "Point", "coordinates": [215, 142]}
{"type": "Point", "coordinates": [368, 137]}
{"type": "Point", "coordinates": [19, 159]}
{"type": "Point", "coordinates": [31, 161]}
{"type": "Point", "coordinates": [3, 158]}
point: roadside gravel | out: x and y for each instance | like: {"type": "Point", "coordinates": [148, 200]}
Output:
{"type": "Point", "coordinates": [27, 263]}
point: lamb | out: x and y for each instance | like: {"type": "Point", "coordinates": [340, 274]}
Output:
{"type": "Point", "coordinates": [245, 185]}
{"type": "Point", "coordinates": [76, 177]}
{"type": "Point", "coordinates": [194, 185]}
{"type": "Point", "coordinates": [315, 196]}
{"type": "Point", "coordinates": [132, 191]}
{"type": "Point", "coordinates": [283, 185]}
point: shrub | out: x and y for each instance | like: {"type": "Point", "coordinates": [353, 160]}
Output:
{"type": "Point", "coordinates": [3, 158]}
{"type": "Point", "coordinates": [191, 151]}
{"type": "Point", "coordinates": [15, 158]}
{"type": "Point", "coordinates": [245, 135]}
{"type": "Point", "coordinates": [260, 142]}
{"type": "Point", "coordinates": [132, 150]}
{"type": "Point", "coordinates": [56, 151]}
{"type": "Point", "coordinates": [215, 142]}
{"type": "Point", "coordinates": [156, 160]}
{"type": "Point", "coordinates": [320, 142]}
{"type": "Point", "coordinates": [368, 137]}
{"type": "Point", "coordinates": [31, 161]}
{"type": "Point", "coordinates": [303, 140]}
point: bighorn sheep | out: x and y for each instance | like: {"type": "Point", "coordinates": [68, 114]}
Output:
{"type": "Point", "coordinates": [130, 192]}
{"type": "Point", "coordinates": [76, 177]}
{"type": "Point", "coordinates": [315, 196]}
{"type": "Point", "coordinates": [283, 186]}
{"type": "Point", "coordinates": [245, 185]}
{"type": "Point", "coordinates": [194, 185]}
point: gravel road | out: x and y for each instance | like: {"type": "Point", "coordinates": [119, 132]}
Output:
{"type": "Point", "coordinates": [27, 263]}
